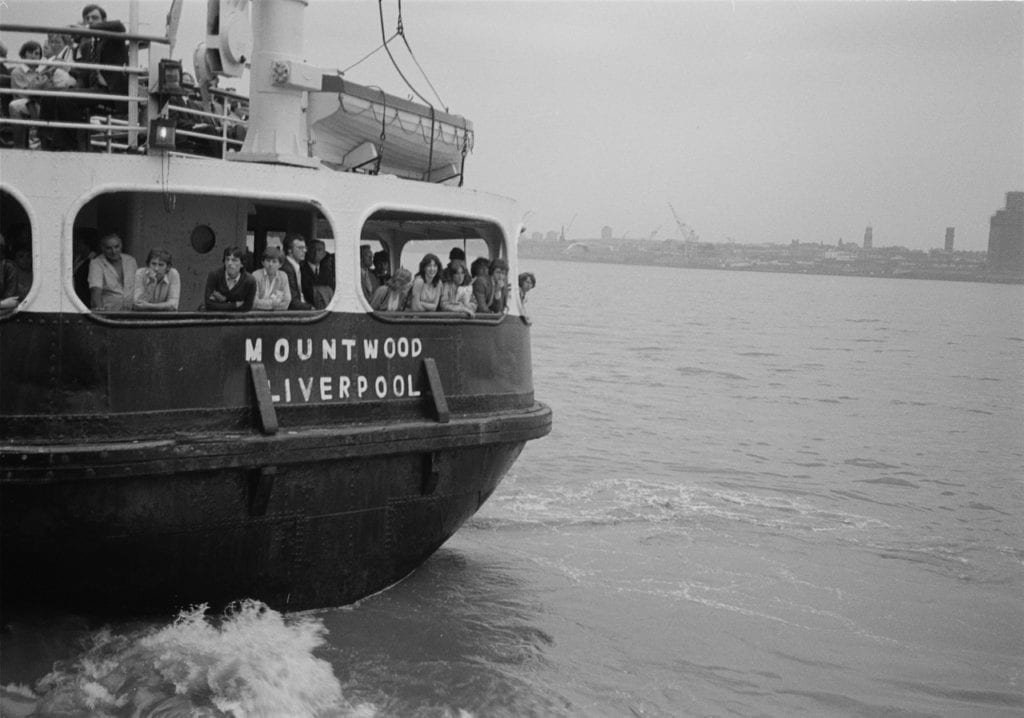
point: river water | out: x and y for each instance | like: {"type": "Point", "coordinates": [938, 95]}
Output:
{"type": "Point", "coordinates": [764, 495]}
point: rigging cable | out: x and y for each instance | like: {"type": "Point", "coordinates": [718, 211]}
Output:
{"type": "Point", "coordinates": [369, 54]}
{"type": "Point", "coordinates": [401, 31]}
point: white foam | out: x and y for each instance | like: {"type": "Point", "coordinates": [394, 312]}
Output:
{"type": "Point", "coordinates": [252, 663]}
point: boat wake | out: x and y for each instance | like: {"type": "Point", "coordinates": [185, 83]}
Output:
{"type": "Point", "coordinates": [612, 502]}
{"type": "Point", "coordinates": [252, 661]}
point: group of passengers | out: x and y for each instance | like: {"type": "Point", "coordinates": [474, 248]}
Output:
{"type": "Point", "coordinates": [288, 279]}
{"type": "Point", "coordinates": [452, 289]}
{"type": "Point", "coordinates": [66, 106]}
{"type": "Point", "coordinates": [116, 282]}
{"type": "Point", "coordinates": [292, 277]}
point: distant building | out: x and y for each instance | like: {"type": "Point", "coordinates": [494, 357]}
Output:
{"type": "Point", "coordinates": [868, 237]}
{"type": "Point", "coordinates": [537, 236]}
{"type": "Point", "coordinates": [1006, 236]}
{"type": "Point", "coordinates": [551, 236]}
{"type": "Point", "coordinates": [606, 232]}
{"type": "Point", "coordinates": [950, 231]}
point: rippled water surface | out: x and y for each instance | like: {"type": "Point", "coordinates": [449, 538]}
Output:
{"type": "Point", "coordinates": [764, 494]}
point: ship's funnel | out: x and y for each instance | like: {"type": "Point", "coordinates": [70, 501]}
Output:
{"type": "Point", "coordinates": [277, 130]}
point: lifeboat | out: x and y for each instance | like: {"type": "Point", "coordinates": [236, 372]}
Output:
{"type": "Point", "coordinates": [306, 457]}
{"type": "Point", "coordinates": [359, 128]}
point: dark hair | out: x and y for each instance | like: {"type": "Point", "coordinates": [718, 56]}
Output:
{"type": "Point", "coordinates": [271, 252]}
{"type": "Point", "coordinates": [28, 47]}
{"type": "Point", "coordinates": [478, 264]}
{"type": "Point", "coordinates": [424, 263]}
{"type": "Point", "coordinates": [382, 254]}
{"type": "Point", "coordinates": [449, 272]}
{"type": "Point", "coordinates": [497, 264]}
{"type": "Point", "coordinates": [89, 8]}
{"type": "Point", "coordinates": [159, 254]}
{"type": "Point", "coordinates": [236, 252]}
{"type": "Point", "coordinates": [457, 253]}
{"type": "Point", "coordinates": [527, 275]}
{"type": "Point", "coordinates": [290, 239]}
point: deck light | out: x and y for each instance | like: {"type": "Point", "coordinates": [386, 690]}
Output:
{"type": "Point", "coordinates": [161, 134]}
{"type": "Point", "coordinates": [169, 76]}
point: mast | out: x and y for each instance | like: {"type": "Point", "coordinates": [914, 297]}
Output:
{"type": "Point", "coordinates": [278, 80]}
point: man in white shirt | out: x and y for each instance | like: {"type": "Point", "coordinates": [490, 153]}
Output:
{"type": "Point", "coordinates": [299, 275]}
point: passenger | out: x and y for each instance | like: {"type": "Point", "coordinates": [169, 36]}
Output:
{"type": "Point", "coordinates": [491, 291]}
{"type": "Point", "coordinates": [457, 289]}
{"type": "Point", "coordinates": [102, 51]}
{"type": "Point", "coordinates": [61, 48]}
{"type": "Point", "coordinates": [300, 279]}
{"type": "Point", "coordinates": [5, 99]}
{"type": "Point", "coordinates": [272, 292]}
{"type": "Point", "coordinates": [112, 277]}
{"type": "Point", "coordinates": [482, 292]}
{"type": "Point", "coordinates": [67, 107]}
{"type": "Point", "coordinates": [158, 284]}
{"type": "Point", "coordinates": [8, 282]}
{"type": "Point", "coordinates": [22, 254]}
{"type": "Point", "coordinates": [499, 285]}
{"type": "Point", "coordinates": [382, 266]}
{"type": "Point", "coordinates": [321, 265]}
{"type": "Point", "coordinates": [526, 282]}
{"type": "Point", "coordinates": [28, 76]}
{"type": "Point", "coordinates": [230, 288]}
{"type": "Point", "coordinates": [393, 296]}
{"type": "Point", "coordinates": [426, 287]}
{"type": "Point", "coordinates": [367, 277]}
{"type": "Point", "coordinates": [458, 254]}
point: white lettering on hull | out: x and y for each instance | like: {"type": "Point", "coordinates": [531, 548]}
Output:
{"type": "Point", "coordinates": [292, 353]}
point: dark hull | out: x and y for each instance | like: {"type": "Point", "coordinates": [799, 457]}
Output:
{"type": "Point", "coordinates": [128, 507]}
{"type": "Point", "coordinates": [302, 535]}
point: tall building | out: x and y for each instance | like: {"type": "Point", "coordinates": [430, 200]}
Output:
{"type": "Point", "coordinates": [868, 237]}
{"type": "Point", "coordinates": [1006, 236]}
{"type": "Point", "coordinates": [950, 231]}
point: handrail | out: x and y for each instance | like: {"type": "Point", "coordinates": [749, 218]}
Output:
{"type": "Point", "coordinates": [70, 65]}
{"type": "Point", "coordinates": [210, 115]}
{"type": "Point", "coordinates": [73, 94]}
{"type": "Point", "coordinates": [81, 31]}
{"type": "Point", "coordinates": [106, 127]}
{"type": "Point", "coordinates": [50, 124]}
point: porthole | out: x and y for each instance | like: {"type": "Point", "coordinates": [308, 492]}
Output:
{"type": "Point", "coordinates": [203, 239]}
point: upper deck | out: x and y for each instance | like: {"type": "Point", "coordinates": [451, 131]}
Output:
{"type": "Point", "coordinates": [171, 162]}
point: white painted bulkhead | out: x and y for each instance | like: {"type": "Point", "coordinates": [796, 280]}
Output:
{"type": "Point", "coordinates": [53, 188]}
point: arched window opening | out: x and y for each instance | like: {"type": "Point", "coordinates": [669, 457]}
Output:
{"type": "Point", "coordinates": [421, 264]}
{"type": "Point", "coordinates": [16, 271]}
{"type": "Point", "coordinates": [145, 255]}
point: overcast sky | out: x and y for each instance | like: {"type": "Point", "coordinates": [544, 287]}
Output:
{"type": "Point", "coordinates": [757, 121]}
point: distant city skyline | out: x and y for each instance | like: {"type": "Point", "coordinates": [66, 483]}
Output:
{"type": "Point", "coordinates": [758, 122]}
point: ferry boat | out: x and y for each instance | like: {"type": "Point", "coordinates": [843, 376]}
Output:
{"type": "Point", "coordinates": [308, 458]}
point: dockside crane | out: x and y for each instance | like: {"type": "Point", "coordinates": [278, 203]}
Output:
{"type": "Point", "coordinates": [567, 228]}
{"type": "Point", "coordinates": [688, 235]}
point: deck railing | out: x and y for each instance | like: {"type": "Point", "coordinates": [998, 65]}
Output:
{"type": "Point", "coordinates": [113, 122]}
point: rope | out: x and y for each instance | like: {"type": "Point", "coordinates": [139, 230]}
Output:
{"type": "Point", "coordinates": [368, 55]}
{"type": "Point", "coordinates": [465, 151]}
{"type": "Point", "coordinates": [380, 7]}
{"type": "Point", "coordinates": [401, 31]}
{"type": "Point", "coordinates": [430, 157]}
